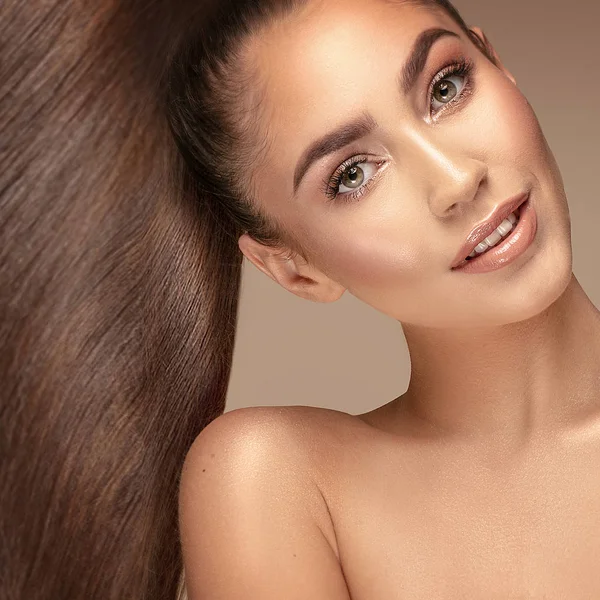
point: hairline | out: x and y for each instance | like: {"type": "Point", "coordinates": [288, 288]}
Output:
{"type": "Point", "coordinates": [255, 108]}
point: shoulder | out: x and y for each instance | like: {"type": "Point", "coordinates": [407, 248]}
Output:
{"type": "Point", "coordinates": [244, 438]}
{"type": "Point", "coordinates": [248, 492]}
{"type": "Point", "coordinates": [268, 436]}
{"type": "Point", "coordinates": [291, 450]}
{"type": "Point", "coordinates": [259, 451]}
{"type": "Point", "coordinates": [245, 433]}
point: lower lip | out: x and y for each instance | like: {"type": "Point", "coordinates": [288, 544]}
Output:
{"type": "Point", "coordinates": [510, 248]}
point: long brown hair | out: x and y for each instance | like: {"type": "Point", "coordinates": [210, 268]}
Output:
{"type": "Point", "coordinates": [119, 277]}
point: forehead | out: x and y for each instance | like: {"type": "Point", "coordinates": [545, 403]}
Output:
{"type": "Point", "coordinates": [328, 61]}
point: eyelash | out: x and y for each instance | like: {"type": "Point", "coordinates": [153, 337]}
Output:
{"type": "Point", "coordinates": [463, 68]}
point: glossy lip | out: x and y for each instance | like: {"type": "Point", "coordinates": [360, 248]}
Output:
{"type": "Point", "coordinates": [510, 249]}
{"type": "Point", "coordinates": [485, 228]}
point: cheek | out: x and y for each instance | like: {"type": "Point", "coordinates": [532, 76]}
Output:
{"type": "Point", "coordinates": [379, 256]}
{"type": "Point", "coordinates": [508, 127]}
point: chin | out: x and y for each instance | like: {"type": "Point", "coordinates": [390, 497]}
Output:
{"type": "Point", "coordinates": [544, 280]}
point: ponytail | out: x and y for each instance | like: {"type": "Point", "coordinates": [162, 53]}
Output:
{"type": "Point", "coordinates": [118, 300]}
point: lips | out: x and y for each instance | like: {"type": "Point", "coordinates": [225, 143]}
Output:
{"type": "Point", "coordinates": [485, 228]}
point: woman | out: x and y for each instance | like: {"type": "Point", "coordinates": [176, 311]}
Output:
{"type": "Point", "coordinates": [351, 145]}
{"type": "Point", "coordinates": [118, 305]}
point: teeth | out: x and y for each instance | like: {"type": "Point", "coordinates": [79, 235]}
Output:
{"type": "Point", "coordinates": [501, 231]}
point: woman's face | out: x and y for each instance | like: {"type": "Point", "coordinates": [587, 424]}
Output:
{"type": "Point", "coordinates": [434, 167]}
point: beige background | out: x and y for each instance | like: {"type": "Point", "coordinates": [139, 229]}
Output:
{"type": "Point", "coordinates": [346, 355]}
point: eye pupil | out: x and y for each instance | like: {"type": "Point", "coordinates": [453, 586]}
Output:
{"type": "Point", "coordinates": [445, 90]}
{"type": "Point", "coordinates": [355, 174]}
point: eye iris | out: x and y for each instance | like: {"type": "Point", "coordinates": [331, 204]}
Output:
{"type": "Point", "coordinates": [445, 90]}
{"type": "Point", "coordinates": [356, 179]}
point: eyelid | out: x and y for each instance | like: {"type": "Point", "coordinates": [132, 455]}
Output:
{"type": "Point", "coordinates": [450, 67]}
{"type": "Point", "coordinates": [464, 63]}
{"type": "Point", "coordinates": [380, 163]}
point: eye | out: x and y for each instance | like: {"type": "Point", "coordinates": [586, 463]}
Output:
{"type": "Point", "coordinates": [352, 174]}
{"type": "Point", "coordinates": [446, 87]}
{"type": "Point", "coordinates": [450, 87]}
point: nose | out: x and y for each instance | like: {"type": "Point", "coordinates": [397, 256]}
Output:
{"type": "Point", "coordinates": [452, 175]}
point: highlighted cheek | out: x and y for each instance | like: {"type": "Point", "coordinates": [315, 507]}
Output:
{"type": "Point", "coordinates": [377, 263]}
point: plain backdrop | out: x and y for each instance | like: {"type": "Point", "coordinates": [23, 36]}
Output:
{"type": "Point", "coordinates": [346, 355]}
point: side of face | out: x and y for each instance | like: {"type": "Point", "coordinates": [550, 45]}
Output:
{"type": "Point", "coordinates": [432, 170]}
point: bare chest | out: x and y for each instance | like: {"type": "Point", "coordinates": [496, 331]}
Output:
{"type": "Point", "coordinates": [421, 524]}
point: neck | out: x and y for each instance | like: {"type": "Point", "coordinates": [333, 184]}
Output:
{"type": "Point", "coordinates": [513, 383]}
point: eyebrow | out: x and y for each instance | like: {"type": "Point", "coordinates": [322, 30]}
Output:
{"type": "Point", "coordinates": [365, 123]}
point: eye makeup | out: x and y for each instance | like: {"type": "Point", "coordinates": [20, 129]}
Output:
{"type": "Point", "coordinates": [462, 68]}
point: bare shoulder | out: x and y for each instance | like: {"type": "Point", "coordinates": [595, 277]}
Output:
{"type": "Point", "coordinates": [290, 429]}
{"type": "Point", "coordinates": [249, 496]}
{"type": "Point", "coordinates": [278, 435]}
{"type": "Point", "coordinates": [280, 446]}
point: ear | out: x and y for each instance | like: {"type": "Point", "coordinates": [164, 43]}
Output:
{"type": "Point", "coordinates": [290, 271]}
{"type": "Point", "coordinates": [481, 41]}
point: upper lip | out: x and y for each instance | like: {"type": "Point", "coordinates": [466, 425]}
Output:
{"type": "Point", "coordinates": [485, 228]}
